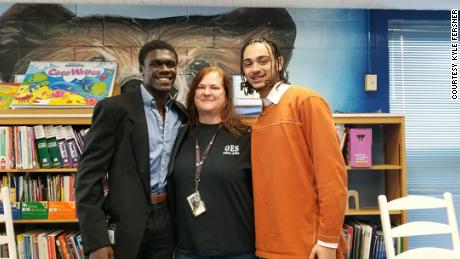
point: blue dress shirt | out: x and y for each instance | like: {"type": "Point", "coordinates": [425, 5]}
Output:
{"type": "Point", "coordinates": [162, 135]}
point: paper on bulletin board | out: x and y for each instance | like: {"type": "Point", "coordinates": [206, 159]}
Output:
{"type": "Point", "coordinates": [240, 99]}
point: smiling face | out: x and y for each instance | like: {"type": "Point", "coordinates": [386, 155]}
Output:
{"type": "Point", "coordinates": [259, 67]}
{"type": "Point", "coordinates": [159, 71]}
{"type": "Point", "coordinates": [210, 97]}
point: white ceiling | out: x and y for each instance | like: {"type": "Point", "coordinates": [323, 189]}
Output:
{"type": "Point", "coordinates": [364, 4]}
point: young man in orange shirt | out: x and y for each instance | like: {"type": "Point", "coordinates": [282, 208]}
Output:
{"type": "Point", "coordinates": [299, 175]}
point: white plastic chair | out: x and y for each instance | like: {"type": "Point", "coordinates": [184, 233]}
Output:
{"type": "Point", "coordinates": [419, 228]}
{"type": "Point", "coordinates": [7, 218]}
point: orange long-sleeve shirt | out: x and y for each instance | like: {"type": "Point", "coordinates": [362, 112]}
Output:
{"type": "Point", "coordinates": [299, 176]}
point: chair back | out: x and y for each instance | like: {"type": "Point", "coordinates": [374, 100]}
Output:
{"type": "Point", "coordinates": [419, 228]}
{"type": "Point", "coordinates": [7, 218]}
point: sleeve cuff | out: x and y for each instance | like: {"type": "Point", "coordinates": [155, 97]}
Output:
{"type": "Point", "coordinates": [329, 245]}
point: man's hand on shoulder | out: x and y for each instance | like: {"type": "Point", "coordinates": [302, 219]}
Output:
{"type": "Point", "coordinates": [322, 252]}
{"type": "Point", "coordinates": [102, 253]}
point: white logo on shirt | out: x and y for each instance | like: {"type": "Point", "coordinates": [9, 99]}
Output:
{"type": "Point", "coordinates": [233, 150]}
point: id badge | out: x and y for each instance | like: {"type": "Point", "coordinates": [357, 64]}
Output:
{"type": "Point", "coordinates": [111, 232]}
{"type": "Point", "coordinates": [196, 204]}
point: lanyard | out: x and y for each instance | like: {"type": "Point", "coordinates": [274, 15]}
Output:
{"type": "Point", "coordinates": [199, 159]}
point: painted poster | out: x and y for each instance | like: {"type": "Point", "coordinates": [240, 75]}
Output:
{"type": "Point", "coordinates": [7, 92]}
{"type": "Point", "coordinates": [65, 84]}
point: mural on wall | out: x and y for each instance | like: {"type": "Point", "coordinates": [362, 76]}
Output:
{"type": "Point", "coordinates": [53, 32]}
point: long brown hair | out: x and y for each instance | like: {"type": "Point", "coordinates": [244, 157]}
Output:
{"type": "Point", "coordinates": [230, 120]}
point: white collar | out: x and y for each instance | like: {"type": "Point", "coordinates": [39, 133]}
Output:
{"type": "Point", "coordinates": [275, 94]}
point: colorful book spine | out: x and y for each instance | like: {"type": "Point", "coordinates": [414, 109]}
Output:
{"type": "Point", "coordinates": [42, 245]}
{"type": "Point", "coordinates": [16, 147]}
{"type": "Point", "coordinates": [62, 144]}
{"type": "Point", "coordinates": [51, 240]}
{"type": "Point", "coordinates": [62, 243]}
{"type": "Point", "coordinates": [3, 145]}
{"type": "Point", "coordinates": [34, 210]}
{"type": "Point", "coordinates": [56, 160]}
{"type": "Point", "coordinates": [23, 147]}
{"type": "Point", "coordinates": [71, 245]}
{"type": "Point", "coordinates": [20, 245]}
{"type": "Point", "coordinates": [12, 186]}
{"type": "Point", "coordinates": [33, 148]}
{"type": "Point", "coordinates": [72, 145]}
{"type": "Point", "coordinates": [80, 244]}
{"type": "Point", "coordinates": [61, 210]}
{"type": "Point", "coordinates": [360, 147]}
{"type": "Point", "coordinates": [29, 147]}
{"type": "Point", "coordinates": [10, 156]}
{"type": "Point", "coordinates": [80, 141]}
{"type": "Point", "coordinates": [42, 147]}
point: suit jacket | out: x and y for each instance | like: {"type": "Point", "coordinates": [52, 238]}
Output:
{"type": "Point", "coordinates": [117, 144]}
{"type": "Point", "coordinates": [172, 163]}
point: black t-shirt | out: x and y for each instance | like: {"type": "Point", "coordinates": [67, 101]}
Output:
{"type": "Point", "coordinates": [227, 226]}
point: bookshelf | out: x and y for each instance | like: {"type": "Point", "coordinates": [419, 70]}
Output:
{"type": "Point", "coordinates": [55, 232]}
{"type": "Point", "coordinates": [393, 151]}
{"type": "Point", "coordinates": [388, 171]}
{"type": "Point", "coordinates": [64, 231]}
{"type": "Point", "coordinates": [31, 117]}
{"type": "Point", "coordinates": [390, 167]}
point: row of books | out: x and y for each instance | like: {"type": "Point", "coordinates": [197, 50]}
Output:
{"type": "Point", "coordinates": [356, 144]}
{"type": "Point", "coordinates": [48, 187]}
{"type": "Point", "coordinates": [47, 244]}
{"type": "Point", "coordinates": [25, 147]}
{"type": "Point", "coordinates": [47, 210]}
{"type": "Point", "coordinates": [365, 241]}
{"type": "Point", "coordinates": [41, 196]}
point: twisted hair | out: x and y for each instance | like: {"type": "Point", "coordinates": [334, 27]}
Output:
{"type": "Point", "coordinates": [275, 53]}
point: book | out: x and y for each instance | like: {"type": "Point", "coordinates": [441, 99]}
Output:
{"type": "Point", "coordinates": [72, 245]}
{"type": "Point", "coordinates": [34, 160]}
{"type": "Point", "coordinates": [72, 146]}
{"type": "Point", "coordinates": [80, 137]}
{"type": "Point", "coordinates": [43, 244]}
{"type": "Point", "coordinates": [61, 210]}
{"type": "Point", "coordinates": [34, 243]}
{"type": "Point", "coordinates": [61, 242]}
{"type": "Point", "coordinates": [349, 237]}
{"type": "Point", "coordinates": [3, 147]}
{"type": "Point", "coordinates": [42, 147]}
{"type": "Point", "coordinates": [79, 240]}
{"type": "Point", "coordinates": [51, 241]}
{"type": "Point", "coordinates": [7, 93]}
{"type": "Point", "coordinates": [55, 154]}
{"type": "Point", "coordinates": [55, 84]}
{"type": "Point", "coordinates": [10, 158]}
{"type": "Point", "coordinates": [62, 145]}
{"type": "Point", "coordinates": [23, 147]}
{"type": "Point", "coordinates": [15, 210]}
{"type": "Point", "coordinates": [79, 141]}
{"type": "Point", "coordinates": [20, 245]}
{"type": "Point", "coordinates": [34, 210]}
{"type": "Point", "coordinates": [360, 147]}
{"type": "Point", "coordinates": [3, 249]}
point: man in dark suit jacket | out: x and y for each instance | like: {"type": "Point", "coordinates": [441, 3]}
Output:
{"type": "Point", "coordinates": [130, 141]}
